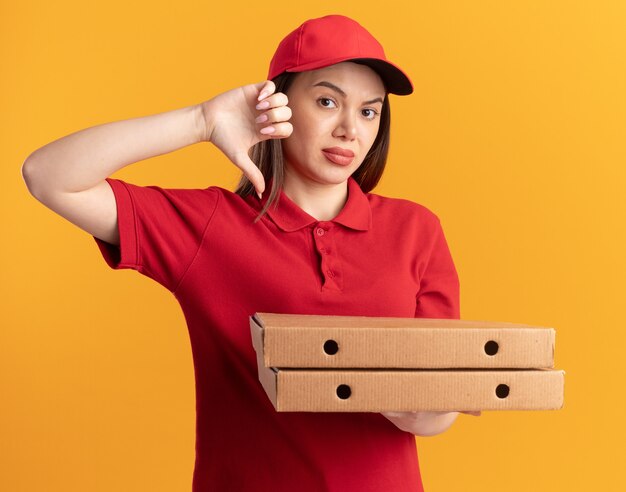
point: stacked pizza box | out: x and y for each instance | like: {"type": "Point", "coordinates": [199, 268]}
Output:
{"type": "Point", "coordinates": [322, 363]}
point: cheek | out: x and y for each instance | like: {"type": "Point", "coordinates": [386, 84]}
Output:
{"type": "Point", "coordinates": [372, 133]}
{"type": "Point", "coordinates": [289, 144]}
{"type": "Point", "coordinates": [294, 146]}
{"type": "Point", "coordinates": [305, 133]}
{"type": "Point", "coordinates": [310, 123]}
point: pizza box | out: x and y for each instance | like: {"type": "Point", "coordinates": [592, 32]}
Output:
{"type": "Point", "coordinates": [383, 389]}
{"type": "Point", "coordinates": [374, 390]}
{"type": "Point", "coordinates": [322, 341]}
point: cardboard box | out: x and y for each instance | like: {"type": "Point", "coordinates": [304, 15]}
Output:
{"type": "Point", "coordinates": [300, 339]}
{"type": "Point", "coordinates": [311, 390]}
{"type": "Point", "coordinates": [310, 341]}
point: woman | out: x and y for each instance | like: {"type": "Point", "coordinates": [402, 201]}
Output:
{"type": "Point", "coordinates": [314, 241]}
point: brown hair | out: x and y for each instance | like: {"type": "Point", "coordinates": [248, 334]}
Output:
{"type": "Point", "coordinates": [268, 155]}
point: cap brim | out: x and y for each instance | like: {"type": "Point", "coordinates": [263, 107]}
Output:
{"type": "Point", "coordinates": [395, 80]}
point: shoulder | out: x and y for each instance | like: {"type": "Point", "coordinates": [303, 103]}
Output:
{"type": "Point", "coordinates": [192, 198]}
{"type": "Point", "coordinates": [212, 201]}
{"type": "Point", "coordinates": [402, 209]}
{"type": "Point", "coordinates": [149, 192]}
{"type": "Point", "coordinates": [168, 204]}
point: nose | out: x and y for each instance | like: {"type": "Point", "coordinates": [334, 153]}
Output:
{"type": "Point", "coordinates": [346, 126]}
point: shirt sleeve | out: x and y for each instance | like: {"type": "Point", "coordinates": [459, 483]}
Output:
{"type": "Point", "coordinates": [160, 229]}
{"type": "Point", "coordinates": [438, 296]}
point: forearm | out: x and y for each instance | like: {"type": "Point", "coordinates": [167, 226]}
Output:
{"type": "Point", "coordinates": [422, 423]}
{"type": "Point", "coordinates": [82, 159]}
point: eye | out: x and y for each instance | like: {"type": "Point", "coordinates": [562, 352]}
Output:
{"type": "Point", "coordinates": [373, 113]}
{"type": "Point", "coordinates": [324, 100]}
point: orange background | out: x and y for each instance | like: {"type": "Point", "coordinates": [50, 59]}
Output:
{"type": "Point", "coordinates": [514, 137]}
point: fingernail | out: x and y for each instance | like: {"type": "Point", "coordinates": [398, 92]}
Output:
{"type": "Point", "coordinates": [261, 118]}
{"type": "Point", "coordinates": [260, 195]}
{"type": "Point", "coordinates": [262, 95]}
{"type": "Point", "coordinates": [268, 129]}
{"type": "Point", "coordinates": [263, 105]}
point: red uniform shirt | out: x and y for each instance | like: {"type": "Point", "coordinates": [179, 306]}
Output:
{"type": "Point", "coordinates": [379, 257]}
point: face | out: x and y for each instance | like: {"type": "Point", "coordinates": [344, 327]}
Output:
{"type": "Point", "coordinates": [335, 110]}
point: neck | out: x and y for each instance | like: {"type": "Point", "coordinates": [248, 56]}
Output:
{"type": "Point", "coordinates": [321, 201]}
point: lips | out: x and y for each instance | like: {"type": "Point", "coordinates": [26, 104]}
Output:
{"type": "Point", "coordinates": [337, 155]}
{"type": "Point", "coordinates": [339, 151]}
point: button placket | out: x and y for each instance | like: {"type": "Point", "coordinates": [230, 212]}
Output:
{"type": "Point", "coordinates": [323, 238]}
{"type": "Point", "coordinates": [321, 241]}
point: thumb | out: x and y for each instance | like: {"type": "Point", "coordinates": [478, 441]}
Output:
{"type": "Point", "coordinates": [252, 172]}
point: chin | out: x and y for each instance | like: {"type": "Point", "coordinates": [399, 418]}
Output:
{"type": "Point", "coordinates": [325, 173]}
{"type": "Point", "coordinates": [335, 177]}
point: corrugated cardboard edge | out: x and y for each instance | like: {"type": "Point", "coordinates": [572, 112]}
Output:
{"type": "Point", "coordinates": [267, 375]}
{"type": "Point", "coordinates": [333, 321]}
{"type": "Point", "coordinates": [257, 332]}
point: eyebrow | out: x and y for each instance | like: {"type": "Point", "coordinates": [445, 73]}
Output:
{"type": "Point", "coordinates": [324, 83]}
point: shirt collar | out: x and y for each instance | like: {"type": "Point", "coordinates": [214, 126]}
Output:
{"type": "Point", "coordinates": [288, 216]}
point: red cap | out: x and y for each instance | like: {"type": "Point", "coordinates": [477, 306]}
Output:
{"type": "Point", "coordinates": [324, 41]}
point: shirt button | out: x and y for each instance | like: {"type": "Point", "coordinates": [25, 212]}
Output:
{"type": "Point", "coordinates": [320, 231]}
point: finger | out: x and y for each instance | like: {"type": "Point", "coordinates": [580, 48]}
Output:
{"type": "Point", "coordinates": [266, 88]}
{"type": "Point", "coordinates": [273, 101]}
{"type": "Point", "coordinates": [276, 130]}
{"type": "Point", "coordinates": [252, 172]}
{"type": "Point", "coordinates": [476, 413]}
{"type": "Point", "coordinates": [282, 113]}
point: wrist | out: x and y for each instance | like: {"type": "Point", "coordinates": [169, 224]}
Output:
{"type": "Point", "coordinates": [203, 123]}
